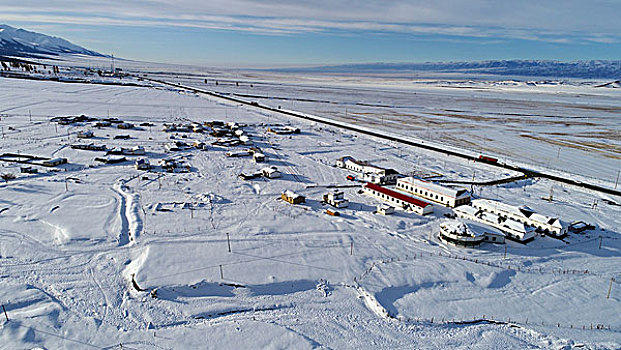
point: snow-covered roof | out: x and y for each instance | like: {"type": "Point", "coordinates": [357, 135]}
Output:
{"type": "Point", "coordinates": [430, 186]}
{"type": "Point", "coordinates": [518, 211]}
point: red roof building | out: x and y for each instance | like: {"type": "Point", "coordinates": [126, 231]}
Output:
{"type": "Point", "coordinates": [399, 199]}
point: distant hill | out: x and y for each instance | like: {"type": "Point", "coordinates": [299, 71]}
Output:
{"type": "Point", "coordinates": [530, 68]}
{"type": "Point", "coordinates": [24, 43]}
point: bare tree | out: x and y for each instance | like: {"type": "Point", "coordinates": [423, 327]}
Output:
{"type": "Point", "coordinates": [7, 176]}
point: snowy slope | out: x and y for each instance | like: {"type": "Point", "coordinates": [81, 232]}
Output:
{"type": "Point", "coordinates": [20, 42]}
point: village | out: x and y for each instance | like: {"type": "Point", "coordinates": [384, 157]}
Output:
{"type": "Point", "coordinates": [470, 221]}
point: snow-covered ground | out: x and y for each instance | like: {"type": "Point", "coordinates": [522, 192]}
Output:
{"type": "Point", "coordinates": [570, 126]}
{"type": "Point", "coordinates": [77, 244]}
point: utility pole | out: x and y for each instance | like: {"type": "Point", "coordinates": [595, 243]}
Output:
{"type": "Point", "coordinates": [351, 248]}
{"type": "Point", "coordinates": [221, 273]}
{"type": "Point", "coordinates": [607, 296]}
{"type": "Point", "coordinates": [228, 240]}
{"type": "Point", "coordinates": [7, 316]}
{"type": "Point", "coordinates": [616, 182]}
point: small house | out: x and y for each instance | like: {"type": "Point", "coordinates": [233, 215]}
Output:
{"type": "Point", "coordinates": [292, 197]}
{"type": "Point", "coordinates": [336, 199]}
{"type": "Point", "coordinates": [385, 209]}
{"type": "Point", "coordinates": [134, 151]}
{"type": "Point", "coordinates": [270, 172]}
{"type": "Point", "coordinates": [28, 170]}
{"type": "Point", "coordinates": [125, 125]}
{"type": "Point", "coordinates": [234, 154]}
{"type": "Point", "coordinates": [85, 134]}
{"type": "Point", "coordinates": [200, 145]}
{"type": "Point", "coordinates": [102, 123]}
{"type": "Point", "coordinates": [54, 162]}
{"type": "Point", "coordinates": [142, 164]}
{"type": "Point", "coordinates": [258, 157]}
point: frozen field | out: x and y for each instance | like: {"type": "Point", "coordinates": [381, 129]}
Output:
{"type": "Point", "coordinates": [77, 244]}
{"type": "Point", "coordinates": [565, 125]}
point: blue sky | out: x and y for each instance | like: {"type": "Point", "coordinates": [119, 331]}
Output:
{"type": "Point", "coordinates": [279, 32]}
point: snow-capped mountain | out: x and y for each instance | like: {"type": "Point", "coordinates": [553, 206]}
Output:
{"type": "Point", "coordinates": [594, 69]}
{"type": "Point", "coordinates": [24, 43]}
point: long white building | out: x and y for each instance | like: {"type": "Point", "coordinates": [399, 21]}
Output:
{"type": "Point", "coordinates": [399, 199]}
{"type": "Point", "coordinates": [523, 214]}
{"type": "Point", "coordinates": [448, 196]}
{"type": "Point", "coordinates": [514, 230]}
{"type": "Point", "coordinates": [368, 172]}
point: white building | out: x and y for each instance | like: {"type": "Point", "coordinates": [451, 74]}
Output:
{"type": "Point", "coordinates": [336, 199]}
{"type": "Point", "coordinates": [398, 199]}
{"type": "Point", "coordinates": [514, 230]}
{"type": "Point", "coordinates": [450, 197]}
{"type": "Point", "coordinates": [523, 214]}
{"type": "Point", "coordinates": [385, 209]}
{"type": "Point", "coordinates": [457, 232]}
{"type": "Point", "coordinates": [368, 172]}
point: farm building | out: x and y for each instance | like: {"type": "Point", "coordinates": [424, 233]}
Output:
{"type": "Point", "coordinates": [514, 230]}
{"type": "Point", "coordinates": [450, 197]}
{"type": "Point", "coordinates": [369, 172]}
{"type": "Point", "coordinates": [85, 134]}
{"type": "Point", "coordinates": [336, 199]}
{"type": "Point", "coordinates": [134, 151]}
{"type": "Point", "coordinates": [234, 154]}
{"type": "Point", "coordinates": [285, 130]}
{"type": "Point", "coordinates": [102, 123]}
{"type": "Point", "coordinates": [270, 172]}
{"type": "Point", "coordinates": [125, 126]}
{"type": "Point", "coordinates": [292, 197]}
{"type": "Point", "coordinates": [111, 160]}
{"type": "Point", "coordinates": [142, 164]}
{"type": "Point", "coordinates": [176, 146]}
{"type": "Point", "coordinates": [398, 198]}
{"type": "Point", "coordinates": [457, 232]}
{"type": "Point", "coordinates": [54, 161]}
{"type": "Point", "coordinates": [258, 157]}
{"type": "Point", "coordinates": [89, 147]}
{"type": "Point", "coordinates": [200, 145]}
{"type": "Point", "coordinates": [542, 223]}
{"type": "Point", "coordinates": [385, 209]}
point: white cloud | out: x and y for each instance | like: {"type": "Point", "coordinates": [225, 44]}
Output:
{"type": "Point", "coordinates": [553, 21]}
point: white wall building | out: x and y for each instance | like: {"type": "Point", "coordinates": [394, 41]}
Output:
{"type": "Point", "coordinates": [514, 230]}
{"type": "Point", "coordinates": [450, 197]}
{"type": "Point", "coordinates": [368, 172]}
{"type": "Point", "coordinates": [398, 199]}
{"type": "Point", "coordinates": [523, 214]}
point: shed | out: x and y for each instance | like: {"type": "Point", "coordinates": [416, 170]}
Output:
{"type": "Point", "coordinates": [270, 172]}
{"type": "Point", "coordinates": [385, 209]}
{"type": "Point", "coordinates": [292, 197]}
{"type": "Point", "coordinates": [258, 157]}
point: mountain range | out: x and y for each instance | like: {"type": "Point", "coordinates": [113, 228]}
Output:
{"type": "Point", "coordinates": [593, 69]}
{"type": "Point", "coordinates": [23, 43]}
{"type": "Point", "coordinates": [26, 44]}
